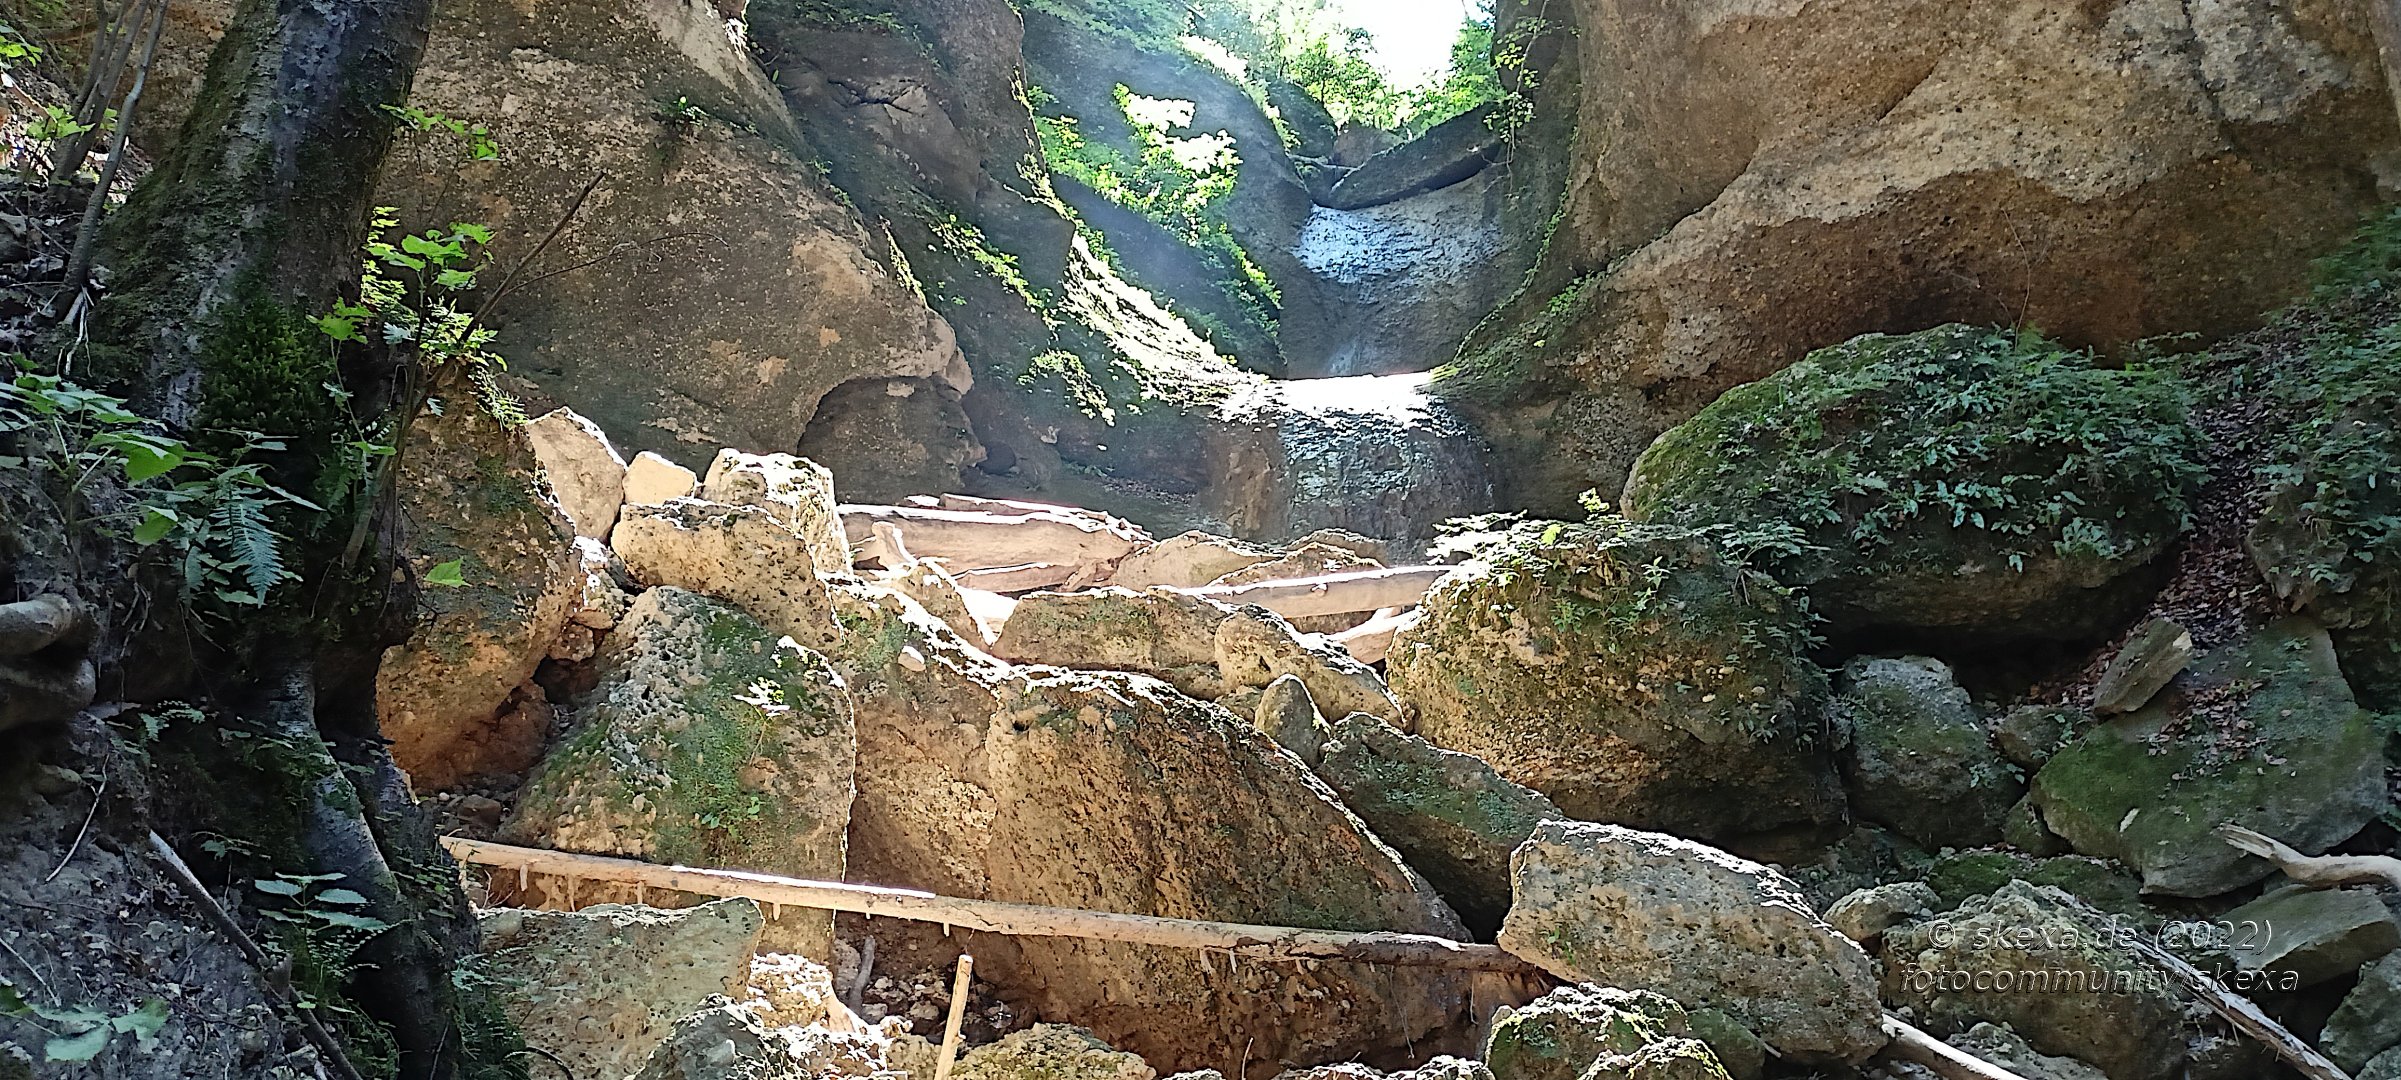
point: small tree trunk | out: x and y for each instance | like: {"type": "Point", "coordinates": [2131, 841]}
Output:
{"type": "Point", "coordinates": [251, 226]}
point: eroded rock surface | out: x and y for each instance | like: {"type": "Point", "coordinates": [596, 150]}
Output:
{"type": "Point", "coordinates": [601, 987]}
{"type": "Point", "coordinates": [1631, 674]}
{"type": "Point", "coordinates": [1603, 903]}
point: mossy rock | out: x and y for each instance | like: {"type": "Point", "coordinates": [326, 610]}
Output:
{"type": "Point", "coordinates": [1584, 1032]}
{"type": "Point", "coordinates": [1955, 479]}
{"type": "Point", "coordinates": [1449, 814]}
{"type": "Point", "coordinates": [2019, 957]}
{"type": "Point", "coordinates": [1957, 876]}
{"type": "Point", "coordinates": [2269, 737]}
{"type": "Point", "coordinates": [1633, 674]}
{"type": "Point", "coordinates": [1916, 755]}
{"type": "Point", "coordinates": [710, 741]}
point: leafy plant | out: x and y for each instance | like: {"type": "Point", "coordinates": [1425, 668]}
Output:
{"type": "Point", "coordinates": [413, 295]}
{"type": "Point", "coordinates": [212, 513]}
{"type": "Point", "coordinates": [480, 145]}
{"type": "Point", "coordinates": [81, 1033]}
{"type": "Point", "coordinates": [15, 50]}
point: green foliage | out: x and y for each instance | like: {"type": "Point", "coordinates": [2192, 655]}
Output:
{"type": "Point", "coordinates": [2329, 532]}
{"type": "Point", "coordinates": [212, 515]}
{"type": "Point", "coordinates": [1471, 81]}
{"type": "Point", "coordinates": [1074, 380]}
{"type": "Point", "coordinates": [412, 295]}
{"type": "Point", "coordinates": [478, 140]}
{"type": "Point", "coordinates": [15, 51]}
{"type": "Point", "coordinates": [1336, 71]}
{"type": "Point", "coordinates": [1905, 447]}
{"type": "Point", "coordinates": [80, 1033]}
{"type": "Point", "coordinates": [1178, 183]}
{"type": "Point", "coordinates": [964, 241]}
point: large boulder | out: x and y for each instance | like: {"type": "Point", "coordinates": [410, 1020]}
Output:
{"type": "Point", "coordinates": [1157, 632]}
{"type": "Point", "coordinates": [2019, 957]}
{"type": "Point", "coordinates": [1608, 904]}
{"type": "Point", "coordinates": [711, 740]}
{"type": "Point", "coordinates": [601, 987]}
{"type": "Point", "coordinates": [1761, 178]}
{"type": "Point", "coordinates": [779, 292]}
{"type": "Point", "coordinates": [2269, 738]}
{"type": "Point", "coordinates": [1255, 647]}
{"type": "Point", "coordinates": [1632, 674]}
{"type": "Point", "coordinates": [1916, 755]}
{"type": "Point", "coordinates": [1112, 792]}
{"type": "Point", "coordinates": [2307, 936]}
{"type": "Point", "coordinates": [1446, 154]}
{"type": "Point", "coordinates": [1051, 1052]}
{"type": "Point", "coordinates": [1583, 1032]}
{"type": "Point", "coordinates": [584, 469]}
{"type": "Point", "coordinates": [472, 495]}
{"type": "Point", "coordinates": [1449, 814]}
{"type": "Point", "coordinates": [1962, 480]}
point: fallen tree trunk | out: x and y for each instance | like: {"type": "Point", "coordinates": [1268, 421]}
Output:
{"type": "Point", "coordinates": [974, 539]}
{"type": "Point", "coordinates": [1331, 594]}
{"type": "Point", "coordinates": [2315, 871]}
{"type": "Point", "coordinates": [993, 916]}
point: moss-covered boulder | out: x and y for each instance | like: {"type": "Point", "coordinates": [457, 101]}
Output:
{"type": "Point", "coordinates": [1449, 814]}
{"type": "Point", "coordinates": [710, 741]}
{"type": "Point", "coordinates": [1955, 479]}
{"type": "Point", "coordinates": [1608, 904]}
{"type": "Point", "coordinates": [2019, 957]}
{"type": "Point", "coordinates": [1052, 1052]}
{"type": "Point", "coordinates": [1957, 877]}
{"type": "Point", "coordinates": [2269, 737]}
{"type": "Point", "coordinates": [472, 492]}
{"type": "Point", "coordinates": [1585, 1032]}
{"type": "Point", "coordinates": [1916, 755]}
{"type": "Point", "coordinates": [1632, 673]}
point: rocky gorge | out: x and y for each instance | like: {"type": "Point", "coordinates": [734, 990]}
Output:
{"type": "Point", "coordinates": [1847, 539]}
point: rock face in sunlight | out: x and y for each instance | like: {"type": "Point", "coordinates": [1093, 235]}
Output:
{"type": "Point", "coordinates": [1751, 180]}
{"type": "Point", "coordinates": [1630, 673]}
{"type": "Point", "coordinates": [472, 499]}
{"type": "Point", "coordinates": [734, 287]}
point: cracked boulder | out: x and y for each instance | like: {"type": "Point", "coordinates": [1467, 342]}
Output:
{"type": "Point", "coordinates": [1109, 791]}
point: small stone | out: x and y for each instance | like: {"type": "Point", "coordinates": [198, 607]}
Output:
{"type": "Point", "coordinates": [2029, 734]}
{"type": "Point", "coordinates": [2007, 1049]}
{"type": "Point", "coordinates": [1586, 1032]}
{"type": "Point", "coordinates": [1865, 915]}
{"type": "Point", "coordinates": [2385, 1066]}
{"type": "Point", "coordinates": [2368, 1022]}
{"type": "Point", "coordinates": [651, 479]}
{"type": "Point", "coordinates": [2311, 935]}
{"type": "Point", "coordinates": [1288, 715]}
{"type": "Point", "coordinates": [2150, 660]}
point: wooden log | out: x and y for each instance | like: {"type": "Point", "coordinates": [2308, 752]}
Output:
{"type": "Point", "coordinates": [998, 917]}
{"type": "Point", "coordinates": [1013, 579]}
{"type": "Point", "coordinates": [2234, 1008]}
{"type": "Point", "coordinates": [958, 1016]}
{"type": "Point", "coordinates": [1910, 1044]}
{"type": "Point", "coordinates": [1332, 594]}
{"type": "Point", "coordinates": [2315, 871]}
{"type": "Point", "coordinates": [968, 539]}
{"type": "Point", "coordinates": [1371, 641]}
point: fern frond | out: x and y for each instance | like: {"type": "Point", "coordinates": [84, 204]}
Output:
{"type": "Point", "coordinates": [250, 542]}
